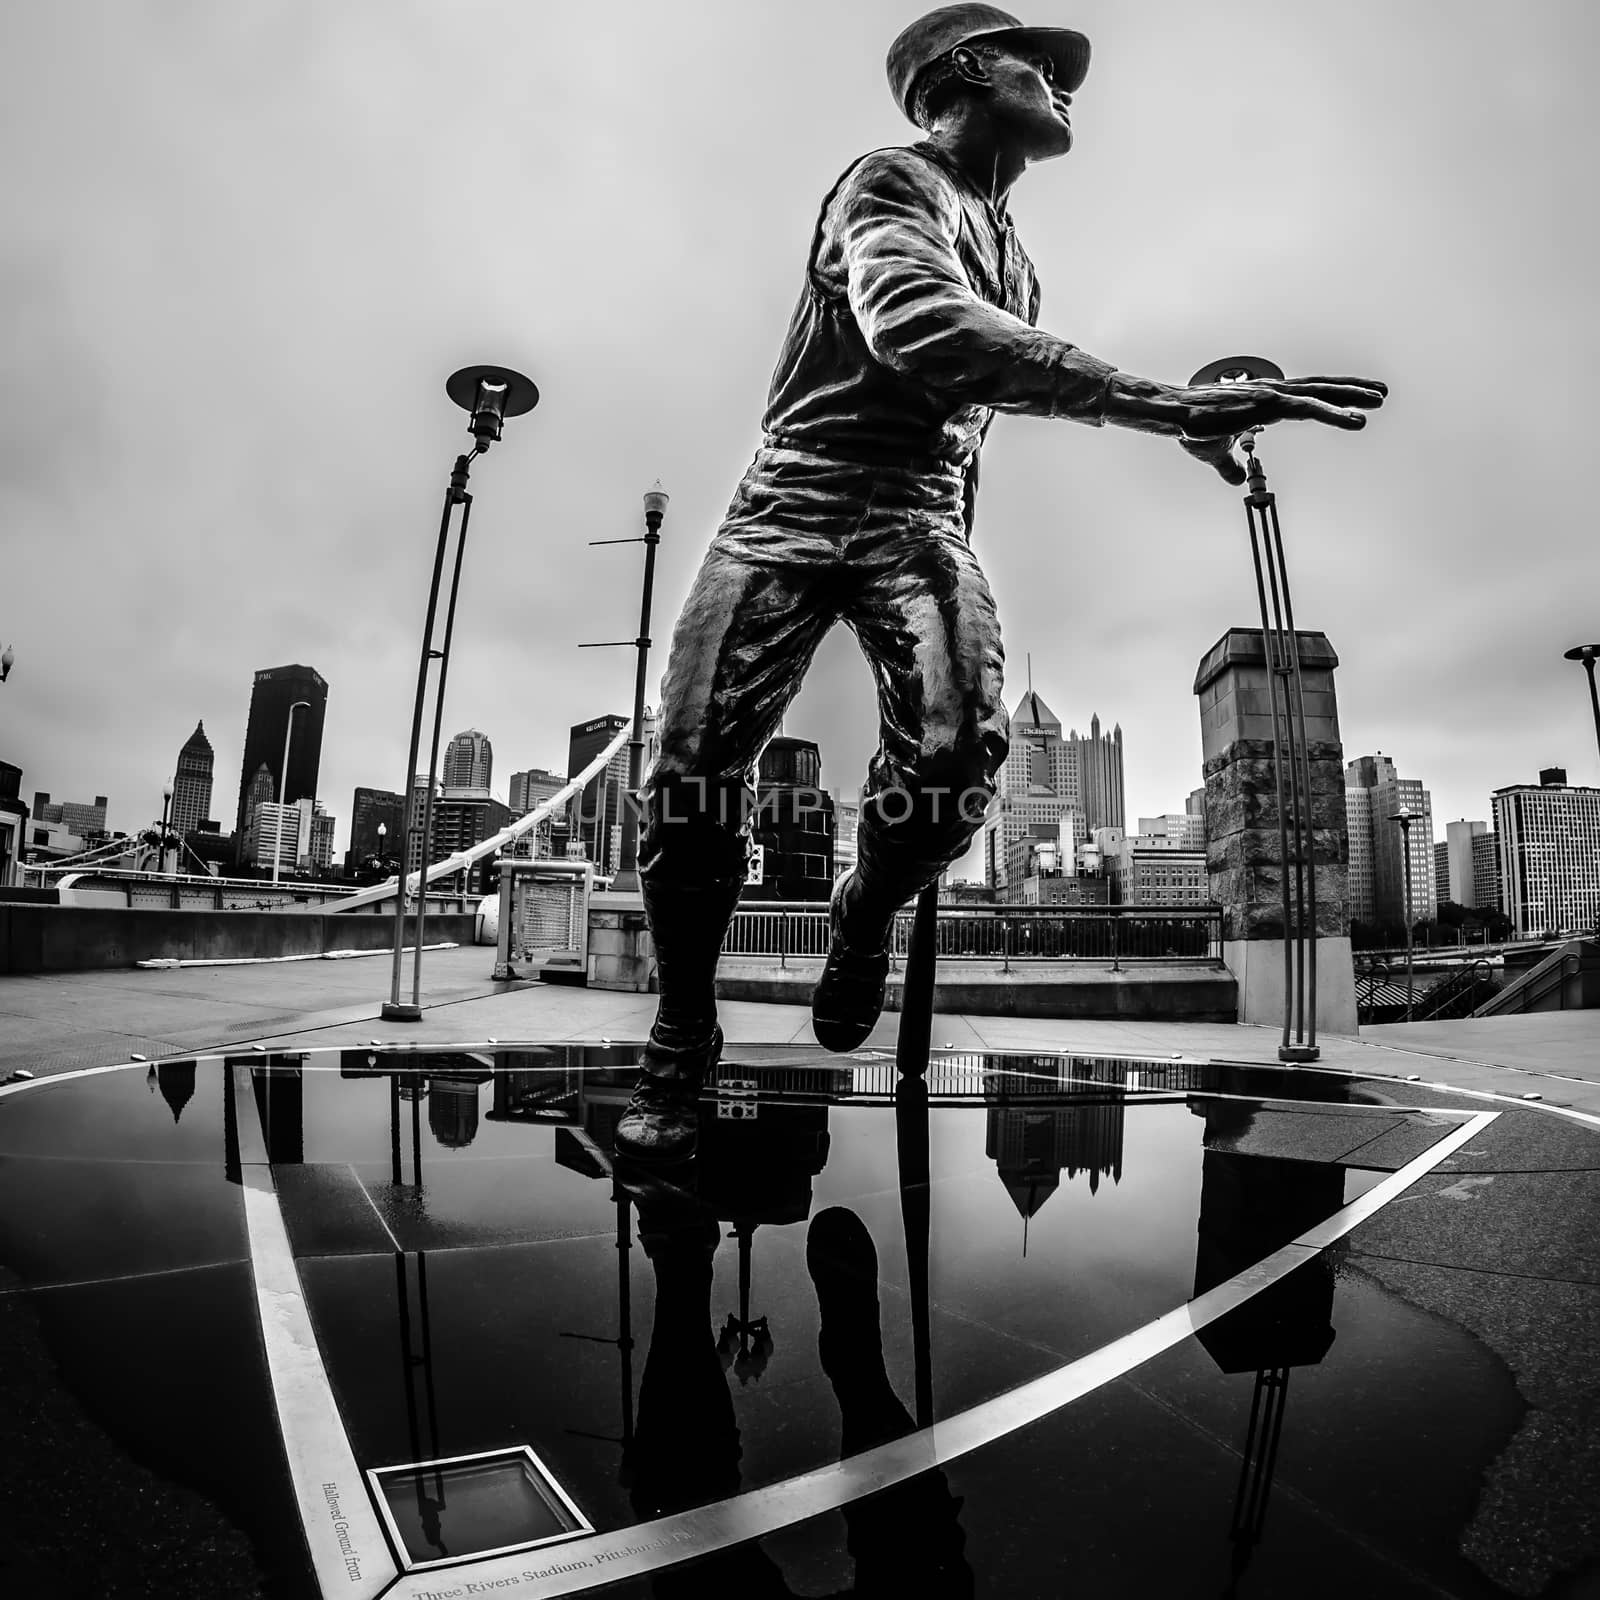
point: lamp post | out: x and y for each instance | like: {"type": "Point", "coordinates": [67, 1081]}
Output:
{"type": "Point", "coordinates": [489, 395]}
{"type": "Point", "coordinates": [166, 806]}
{"type": "Point", "coordinates": [1291, 764]}
{"type": "Point", "coordinates": [383, 828]}
{"type": "Point", "coordinates": [283, 788]}
{"type": "Point", "coordinates": [626, 880]}
{"type": "Point", "coordinates": [1586, 654]}
{"type": "Point", "coordinates": [1403, 817]}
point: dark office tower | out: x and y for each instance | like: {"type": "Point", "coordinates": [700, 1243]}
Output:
{"type": "Point", "coordinates": [276, 690]}
{"type": "Point", "coordinates": [367, 810]}
{"type": "Point", "coordinates": [191, 784]}
{"type": "Point", "coordinates": [794, 824]}
{"type": "Point", "coordinates": [596, 813]}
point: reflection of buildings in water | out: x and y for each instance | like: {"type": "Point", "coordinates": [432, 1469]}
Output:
{"type": "Point", "coordinates": [1080, 1129]}
{"type": "Point", "coordinates": [1250, 1206]}
{"type": "Point", "coordinates": [175, 1079]}
{"type": "Point", "coordinates": [453, 1111]}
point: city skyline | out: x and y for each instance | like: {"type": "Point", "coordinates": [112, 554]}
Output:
{"type": "Point", "coordinates": [151, 273]}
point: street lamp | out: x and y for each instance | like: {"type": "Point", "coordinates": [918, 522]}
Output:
{"type": "Point", "coordinates": [383, 829]}
{"type": "Point", "coordinates": [489, 395]}
{"type": "Point", "coordinates": [1403, 817]}
{"type": "Point", "coordinates": [283, 787]}
{"type": "Point", "coordinates": [166, 803]}
{"type": "Point", "coordinates": [626, 880]}
{"type": "Point", "coordinates": [1586, 654]}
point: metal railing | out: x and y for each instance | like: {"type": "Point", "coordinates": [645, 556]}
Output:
{"type": "Point", "coordinates": [1002, 933]}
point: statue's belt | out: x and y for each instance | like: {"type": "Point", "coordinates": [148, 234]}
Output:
{"type": "Point", "coordinates": [864, 455]}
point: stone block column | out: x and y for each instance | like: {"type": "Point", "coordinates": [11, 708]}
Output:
{"type": "Point", "coordinates": [1243, 849]}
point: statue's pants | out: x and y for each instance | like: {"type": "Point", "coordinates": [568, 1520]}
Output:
{"type": "Point", "coordinates": [809, 542]}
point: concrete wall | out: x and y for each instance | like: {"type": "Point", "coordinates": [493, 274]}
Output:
{"type": "Point", "coordinates": [46, 938]}
{"type": "Point", "coordinates": [1168, 991]}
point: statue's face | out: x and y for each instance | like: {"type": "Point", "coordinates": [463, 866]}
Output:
{"type": "Point", "coordinates": [1024, 100]}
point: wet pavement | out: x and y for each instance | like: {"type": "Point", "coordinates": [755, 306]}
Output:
{"type": "Point", "coordinates": [369, 1320]}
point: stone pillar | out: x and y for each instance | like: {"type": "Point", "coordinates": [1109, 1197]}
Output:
{"type": "Point", "coordinates": [621, 953]}
{"type": "Point", "coordinates": [1242, 845]}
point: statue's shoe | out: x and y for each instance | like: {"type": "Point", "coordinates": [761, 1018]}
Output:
{"type": "Point", "coordinates": [662, 1122]}
{"type": "Point", "coordinates": [848, 999]}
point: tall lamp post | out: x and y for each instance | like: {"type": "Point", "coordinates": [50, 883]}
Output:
{"type": "Point", "coordinates": [283, 787]}
{"type": "Point", "coordinates": [1586, 654]}
{"type": "Point", "coordinates": [383, 828]}
{"type": "Point", "coordinates": [1403, 817]}
{"type": "Point", "coordinates": [489, 395]}
{"type": "Point", "coordinates": [626, 880]}
{"type": "Point", "coordinates": [166, 808]}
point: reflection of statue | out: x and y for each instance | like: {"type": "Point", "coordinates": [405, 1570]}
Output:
{"type": "Point", "coordinates": [915, 324]}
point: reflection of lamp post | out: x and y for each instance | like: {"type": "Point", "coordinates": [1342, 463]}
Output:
{"type": "Point", "coordinates": [283, 789]}
{"type": "Point", "coordinates": [626, 880]}
{"type": "Point", "coordinates": [166, 806]}
{"type": "Point", "coordinates": [1403, 817]}
{"type": "Point", "coordinates": [490, 395]}
{"type": "Point", "coordinates": [1586, 654]}
{"type": "Point", "coordinates": [1291, 764]}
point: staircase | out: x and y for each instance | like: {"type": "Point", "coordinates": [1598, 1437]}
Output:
{"type": "Point", "coordinates": [1568, 979]}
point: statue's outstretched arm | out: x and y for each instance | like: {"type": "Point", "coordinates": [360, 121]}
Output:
{"type": "Point", "coordinates": [897, 225]}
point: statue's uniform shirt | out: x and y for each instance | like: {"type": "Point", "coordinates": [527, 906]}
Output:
{"type": "Point", "coordinates": [915, 324]}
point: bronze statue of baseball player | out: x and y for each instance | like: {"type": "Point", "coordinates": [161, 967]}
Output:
{"type": "Point", "coordinates": [915, 324]}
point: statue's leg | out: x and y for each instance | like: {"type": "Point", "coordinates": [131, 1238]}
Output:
{"type": "Point", "coordinates": [928, 627]}
{"type": "Point", "coordinates": [748, 631]}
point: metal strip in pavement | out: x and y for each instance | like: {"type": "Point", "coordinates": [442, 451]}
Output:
{"type": "Point", "coordinates": [349, 1553]}
{"type": "Point", "coordinates": [634, 1551]}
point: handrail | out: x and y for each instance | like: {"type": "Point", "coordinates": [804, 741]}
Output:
{"type": "Point", "coordinates": [1537, 982]}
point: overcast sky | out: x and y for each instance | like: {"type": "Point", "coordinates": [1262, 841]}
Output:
{"type": "Point", "coordinates": [245, 244]}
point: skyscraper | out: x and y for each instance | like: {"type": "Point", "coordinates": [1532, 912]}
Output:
{"type": "Point", "coordinates": [1549, 848]}
{"type": "Point", "coordinates": [191, 783]}
{"type": "Point", "coordinates": [1457, 853]}
{"type": "Point", "coordinates": [1374, 792]}
{"type": "Point", "coordinates": [596, 812]}
{"type": "Point", "coordinates": [468, 762]}
{"type": "Point", "coordinates": [532, 788]}
{"type": "Point", "coordinates": [1051, 788]}
{"type": "Point", "coordinates": [275, 692]}
{"type": "Point", "coordinates": [368, 808]}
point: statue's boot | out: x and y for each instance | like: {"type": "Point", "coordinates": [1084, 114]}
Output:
{"type": "Point", "coordinates": [848, 998]}
{"type": "Point", "coordinates": [688, 924]}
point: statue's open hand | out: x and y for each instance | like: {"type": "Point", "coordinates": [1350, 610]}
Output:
{"type": "Point", "coordinates": [1225, 410]}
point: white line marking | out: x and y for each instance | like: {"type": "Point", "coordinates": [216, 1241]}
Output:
{"type": "Point", "coordinates": [367, 1194]}
{"type": "Point", "coordinates": [631, 1552]}
{"type": "Point", "coordinates": [347, 1547]}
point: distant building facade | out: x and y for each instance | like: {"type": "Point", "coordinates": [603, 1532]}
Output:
{"type": "Point", "coordinates": [78, 818]}
{"type": "Point", "coordinates": [794, 824]}
{"type": "Point", "coordinates": [369, 808]}
{"type": "Point", "coordinates": [530, 789]}
{"type": "Point", "coordinates": [468, 762]}
{"type": "Point", "coordinates": [1455, 875]}
{"type": "Point", "coordinates": [1374, 793]}
{"type": "Point", "coordinates": [272, 697]}
{"type": "Point", "coordinates": [1051, 794]}
{"type": "Point", "coordinates": [595, 812]}
{"type": "Point", "coordinates": [191, 783]}
{"type": "Point", "coordinates": [1486, 894]}
{"type": "Point", "coordinates": [1548, 838]}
